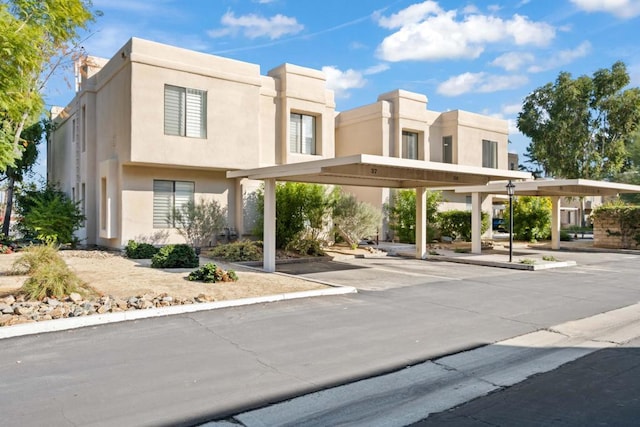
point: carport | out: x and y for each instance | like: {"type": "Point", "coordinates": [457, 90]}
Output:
{"type": "Point", "coordinates": [367, 170]}
{"type": "Point", "coordinates": [553, 188]}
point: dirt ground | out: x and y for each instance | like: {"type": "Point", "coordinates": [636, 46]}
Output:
{"type": "Point", "coordinates": [115, 275]}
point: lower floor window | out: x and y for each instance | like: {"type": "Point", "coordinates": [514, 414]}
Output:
{"type": "Point", "coordinates": [168, 196]}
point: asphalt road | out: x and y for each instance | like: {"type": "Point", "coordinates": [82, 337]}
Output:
{"type": "Point", "coordinates": [186, 369]}
{"type": "Point", "coordinates": [601, 389]}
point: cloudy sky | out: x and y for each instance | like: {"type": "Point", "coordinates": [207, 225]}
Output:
{"type": "Point", "coordinates": [479, 56]}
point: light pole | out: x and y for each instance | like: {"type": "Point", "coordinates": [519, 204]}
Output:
{"type": "Point", "coordinates": [510, 190]}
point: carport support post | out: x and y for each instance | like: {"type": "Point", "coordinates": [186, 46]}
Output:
{"type": "Point", "coordinates": [421, 223]}
{"type": "Point", "coordinates": [476, 223]}
{"type": "Point", "coordinates": [269, 232]}
{"type": "Point", "coordinates": [555, 222]}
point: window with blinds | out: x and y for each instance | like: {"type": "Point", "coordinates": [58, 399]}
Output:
{"type": "Point", "coordinates": [185, 112]}
{"type": "Point", "coordinates": [302, 134]}
{"type": "Point", "coordinates": [409, 145]}
{"type": "Point", "coordinates": [489, 154]}
{"type": "Point", "coordinates": [167, 196]}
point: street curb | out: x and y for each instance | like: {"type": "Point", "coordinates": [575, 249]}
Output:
{"type": "Point", "coordinates": [500, 264]}
{"type": "Point", "coordinates": [102, 319]}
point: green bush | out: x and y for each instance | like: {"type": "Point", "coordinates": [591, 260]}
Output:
{"type": "Point", "coordinates": [301, 208]}
{"type": "Point", "coordinates": [244, 250]}
{"type": "Point", "coordinates": [175, 256]}
{"type": "Point", "coordinates": [135, 250]}
{"type": "Point", "coordinates": [565, 236]}
{"type": "Point", "coordinates": [48, 214]}
{"type": "Point", "coordinates": [402, 214]}
{"type": "Point", "coordinates": [211, 273]}
{"type": "Point", "coordinates": [457, 224]}
{"type": "Point", "coordinates": [531, 218]}
{"type": "Point", "coordinates": [305, 247]}
{"type": "Point", "coordinates": [354, 220]}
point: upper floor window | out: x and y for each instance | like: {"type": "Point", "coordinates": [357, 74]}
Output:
{"type": "Point", "coordinates": [168, 196]}
{"type": "Point", "coordinates": [489, 154]}
{"type": "Point", "coordinates": [185, 112]}
{"type": "Point", "coordinates": [447, 149]}
{"type": "Point", "coordinates": [409, 145]}
{"type": "Point", "coordinates": [302, 134]}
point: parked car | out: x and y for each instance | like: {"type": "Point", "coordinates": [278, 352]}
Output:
{"type": "Point", "coordinates": [498, 224]}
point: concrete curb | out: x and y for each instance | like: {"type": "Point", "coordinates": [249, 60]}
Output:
{"type": "Point", "coordinates": [500, 264]}
{"type": "Point", "coordinates": [101, 319]}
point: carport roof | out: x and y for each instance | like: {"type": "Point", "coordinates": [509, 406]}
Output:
{"type": "Point", "coordinates": [379, 171]}
{"type": "Point", "coordinates": [555, 187]}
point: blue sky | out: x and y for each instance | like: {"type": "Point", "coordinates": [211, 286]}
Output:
{"type": "Point", "coordinates": [479, 56]}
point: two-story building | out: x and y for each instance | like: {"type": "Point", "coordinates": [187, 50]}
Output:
{"type": "Point", "coordinates": [156, 126]}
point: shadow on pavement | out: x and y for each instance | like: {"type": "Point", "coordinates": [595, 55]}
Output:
{"type": "Point", "coordinates": [316, 267]}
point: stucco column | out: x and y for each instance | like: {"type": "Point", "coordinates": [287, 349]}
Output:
{"type": "Point", "coordinates": [476, 223]}
{"type": "Point", "coordinates": [555, 222]}
{"type": "Point", "coordinates": [269, 228]}
{"type": "Point", "coordinates": [487, 206]}
{"type": "Point", "coordinates": [421, 223]}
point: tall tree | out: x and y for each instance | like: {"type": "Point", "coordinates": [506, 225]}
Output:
{"type": "Point", "coordinates": [35, 37]}
{"type": "Point", "coordinates": [580, 128]}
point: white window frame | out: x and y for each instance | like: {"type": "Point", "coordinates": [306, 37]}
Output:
{"type": "Point", "coordinates": [167, 196]}
{"type": "Point", "coordinates": [410, 145]}
{"type": "Point", "coordinates": [489, 154]}
{"type": "Point", "coordinates": [302, 133]}
{"type": "Point", "coordinates": [185, 112]}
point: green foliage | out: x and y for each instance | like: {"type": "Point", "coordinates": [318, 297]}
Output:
{"type": "Point", "coordinates": [550, 258]}
{"type": "Point", "coordinates": [300, 208]}
{"type": "Point", "coordinates": [175, 256]}
{"type": "Point", "coordinates": [36, 256]}
{"type": "Point", "coordinates": [35, 36]}
{"type": "Point", "coordinates": [49, 274]}
{"type": "Point", "coordinates": [401, 212]}
{"type": "Point", "coordinates": [565, 236]}
{"type": "Point", "coordinates": [626, 216]}
{"type": "Point", "coordinates": [579, 128]}
{"type": "Point", "coordinates": [211, 273]}
{"type": "Point", "coordinates": [244, 250]}
{"type": "Point", "coordinates": [48, 214]}
{"type": "Point", "coordinates": [135, 250]}
{"type": "Point", "coordinates": [531, 218]}
{"type": "Point", "coordinates": [305, 246]}
{"type": "Point", "coordinates": [457, 224]}
{"type": "Point", "coordinates": [354, 220]}
{"type": "Point", "coordinates": [199, 222]}
{"type": "Point", "coordinates": [527, 261]}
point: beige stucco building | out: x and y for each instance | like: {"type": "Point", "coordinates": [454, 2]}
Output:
{"type": "Point", "coordinates": [157, 125]}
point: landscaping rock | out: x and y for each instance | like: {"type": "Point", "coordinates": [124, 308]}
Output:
{"type": "Point", "coordinates": [75, 297]}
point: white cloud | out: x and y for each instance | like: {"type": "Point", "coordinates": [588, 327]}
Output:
{"type": "Point", "coordinates": [254, 26]}
{"type": "Point", "coordinates": [479, 83]}
{"type": "Point", "coordinates": [511, 109]}
{"type": "Point", "coordinates": [513, 61]}
{"type": "Point", "coordinates": [561, 58]}
{"type": "Point", "coordinates": [624, 9]}
{"type": "Point", "coordinates": [341, 81]}
{"type": "Point", "coordinates": [427, 32]}
{"type": "Point", "coordinates": [375, 69]}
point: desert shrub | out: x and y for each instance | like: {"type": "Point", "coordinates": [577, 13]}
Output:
{"type": "Point", "coordinates": [211, 273]}
{"type": "Point", "coordinates": [48, 214]}
{"type": "Point", "coordinates": [198, 222]}
{"type": "Point", "coordinates": [244, 250]}
{"type": "Point", "coordinates": [531, 218]}
{"type": "Point", "coordinates": [565, 236]}
{"type": "Point", "coordinates": [301, 208]}
{"type": "Point", "coordinates": [354, 220]}
{"type": "Point", "coordinates": [5, 249]}
{"type": "Point", "coordinates": [135, 250]}
{"type": "Point", "coordinates": [36, 256]}
{"type": "Point", "coordinates": [175, 256]}
{"type": "Point", "coordinates": [53, 280]}
{"type": "Point", "coordinates": [305, 246]}
{"type": "Point", "coordinates": [457, 224]}
{"type": "Point", "coordinates": [401, 212]}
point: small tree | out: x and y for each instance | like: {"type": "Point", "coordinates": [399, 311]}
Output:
{"type": "Point", "coordinates": [48, 214]}
{"type": "Point", "coordinates": [198, 222]}
{"type": "Point", "coordinates": [402, 213]}
{"type": "Point", "coordinates": [531, 218]}
{"type": "Point", "coordinates": [354, 220]}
